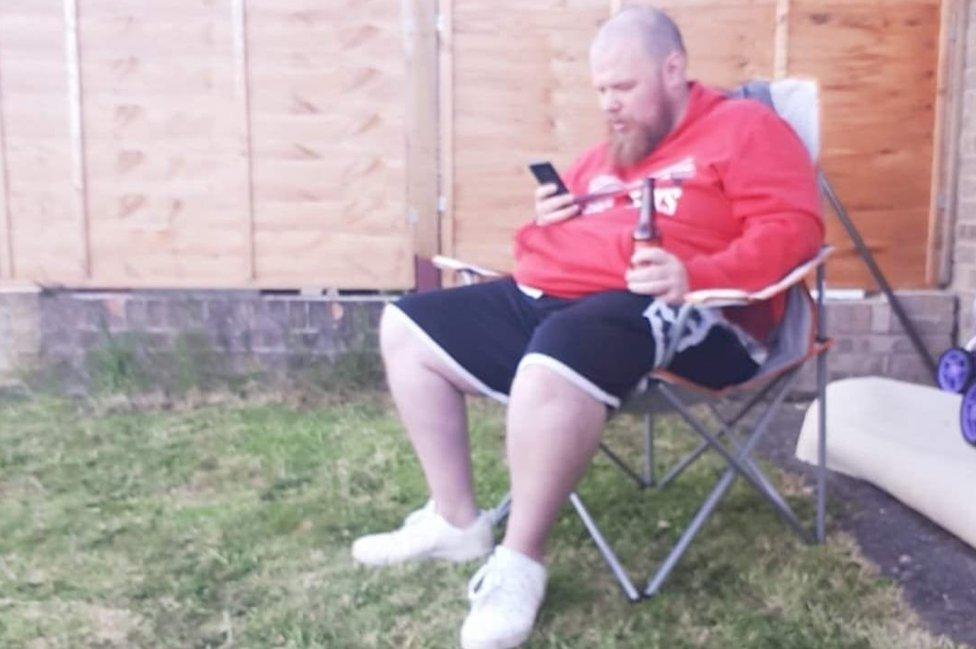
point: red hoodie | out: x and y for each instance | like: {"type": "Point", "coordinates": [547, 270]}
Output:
{"type": "Point", "coordinates": [736, 200]}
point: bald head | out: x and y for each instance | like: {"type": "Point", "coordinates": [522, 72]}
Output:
{"type": "Point", "coordinates": [637, 64]}
{"type": "Point", "coordinates": [650, 29]}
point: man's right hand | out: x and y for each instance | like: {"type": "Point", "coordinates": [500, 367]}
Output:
{"type": "Point", "coordinates": [552, 209]}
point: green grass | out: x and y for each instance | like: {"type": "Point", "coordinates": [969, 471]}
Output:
{"type": "Point", "coordinates": [229, 525]}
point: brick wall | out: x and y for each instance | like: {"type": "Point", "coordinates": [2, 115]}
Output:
{"type": "Point", "coordinates": [19, 332]}
{"type": "Point", "coordinates": [234, 332]}
{"type": "Point", "coordinates": [964, 248]}
{"type": "Point", "coordinates": [215, 333]}
{"type": "Point", "coordinates": [869, 340]}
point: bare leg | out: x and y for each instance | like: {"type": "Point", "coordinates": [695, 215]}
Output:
{"type": "Point", "coordinates": [554, 431]}
{"type": "Point", "coordinates": [429, 396]}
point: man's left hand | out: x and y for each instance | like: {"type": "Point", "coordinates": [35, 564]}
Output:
{"type": "Point", "coordinates": [655, 271]}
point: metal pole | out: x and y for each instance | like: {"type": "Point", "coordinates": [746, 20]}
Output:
{"type": "Point", "coordinates": [722, 486]}
{"type": "Point", "coordinates": [623, 466]}
{"type": "Point", "coordinates": [608, 555]}
{"type": "Point", "coordinates": [500, 512]}
{"type": "Point", "coordinates": [648, 450]}
{"type": "Point", "coordinates": [654, 585]}
{"type": "Point", "coordinates": [686, 461]}
{"type": "Point", "coordinates": [783, 510]}
{"type": "Point", "coordinates": [822, 399]}
{"type": "Point", "coordinates": [879, 277]}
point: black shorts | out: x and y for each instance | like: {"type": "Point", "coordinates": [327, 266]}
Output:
{"type": "Point", "coordinates": [604, 343]}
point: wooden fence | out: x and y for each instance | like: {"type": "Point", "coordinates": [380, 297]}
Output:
{"type": "Point", "coordinates": [204, 143]}
{"type": "Point", "coordinates": [300, 143]}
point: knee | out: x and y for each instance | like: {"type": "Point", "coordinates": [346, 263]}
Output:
{"type": "Point", "coordinates": [541, 396]}
{"type": "Point", "coordinates": [537, 385]}
{"type": "Point", "coordinates": [395, 336]}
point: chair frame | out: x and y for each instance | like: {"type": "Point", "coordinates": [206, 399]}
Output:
{"type": "Point", "coordinates": [737, 454]}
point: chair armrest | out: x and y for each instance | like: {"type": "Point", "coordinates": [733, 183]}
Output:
{"type": "Point", "coordinates": [721, 297]}
{"type": "Point", "coordinates": [449, 263]}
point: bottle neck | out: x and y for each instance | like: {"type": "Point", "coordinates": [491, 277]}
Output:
{"type": "Point", "coordinates": [646, 228]}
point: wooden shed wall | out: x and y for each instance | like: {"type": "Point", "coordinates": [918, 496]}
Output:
{"type": "Point", "coordinates": [877, 63]}
{"type": "Point", "coordinates": [265, 143]}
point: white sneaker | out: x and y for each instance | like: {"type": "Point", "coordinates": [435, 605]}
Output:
{"type": "Point", "coordinates": [426, 535]}
{"type": "Point", "coordinates": [505, 596]}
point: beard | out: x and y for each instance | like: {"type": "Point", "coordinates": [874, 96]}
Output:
{"type": "Point", "coordinates": [640, 140]}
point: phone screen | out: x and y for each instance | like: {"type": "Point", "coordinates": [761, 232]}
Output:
{"type": "Point", "coordinates": [545, 173]}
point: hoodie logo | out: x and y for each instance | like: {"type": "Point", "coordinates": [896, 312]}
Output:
{"type": "Point", "coordinates": [667, 190]}
{"type": "Point", "coordinates": [602, 183]}
{"type": "Point", "coordinates": [666, 199]}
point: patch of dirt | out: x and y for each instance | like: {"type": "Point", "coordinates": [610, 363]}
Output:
{"type": "Point", "coordinates": [936, 571]}
{"type": "Point", "coordinates": [112, 625]}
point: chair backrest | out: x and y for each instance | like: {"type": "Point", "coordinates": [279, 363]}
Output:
{"type": "Point", "coordinates": [797, 101]}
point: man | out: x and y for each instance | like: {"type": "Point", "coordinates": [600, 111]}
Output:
{"type": "Point", "coordinates": [585, 317]}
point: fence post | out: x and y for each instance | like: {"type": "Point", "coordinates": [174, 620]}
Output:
{"type": "Point", "coordinates": [950, 90]}
{"type": "Point", "coordinates": [76, 116]}
{"type": "Point", "coordinates": [6, 236]}
{"type": "Point", "coordinates": [421, 59]}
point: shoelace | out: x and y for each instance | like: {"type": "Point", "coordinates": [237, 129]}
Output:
{"type": "Point", "coordinates": [483, 581]}
{"type": "Point", "coordinates": [493, 578]}
{"type": "Point", "coordinates": [492, 587]}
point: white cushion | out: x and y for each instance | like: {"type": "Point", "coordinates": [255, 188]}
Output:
{"type": "Point", "coordinates": [903, 438]}
{"type": "Point", "coordinates": [798, 102]}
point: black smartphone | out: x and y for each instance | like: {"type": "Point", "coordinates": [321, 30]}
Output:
{"type": "Point", "coordinates": [545, 173]}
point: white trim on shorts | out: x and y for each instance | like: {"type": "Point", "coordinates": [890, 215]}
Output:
{"type": "Point", "coordinates": [444, 356]}
{"type": "Point", "coordinates": [570, 375]}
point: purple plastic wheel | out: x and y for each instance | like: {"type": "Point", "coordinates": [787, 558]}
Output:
{"type": "Point", "coordinates": [956, 369]}
{"type": "Point", "coordinates": [967, 416]}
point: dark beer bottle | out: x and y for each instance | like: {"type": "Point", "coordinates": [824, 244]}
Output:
{"type": "Point", "coordinates": [646, 234]}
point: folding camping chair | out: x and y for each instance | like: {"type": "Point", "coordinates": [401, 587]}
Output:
{"type": "Point", "coordinates": [799, 337]}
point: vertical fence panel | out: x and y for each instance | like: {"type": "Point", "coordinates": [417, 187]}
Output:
{"type": "Point", "coordinates": [421, 122]}
{"type": "Point", "coordinates": [728, 41]}
{"type": "Point", "coordinates": [328, 130]}
{"type": "Point", "coordinates": [6, 248]}
{"type": "Point", "coordinates": [242, 98]}
{"type": "Point", "coordinates": [948, 123]}
{"type": "Point", "coordinates": [445, 120]}
{"type": "Point", "coordinates": [165, 166]}
{"type": "Point", "coordinates": [44, 224]}
{"type": "Point", "coordinates": [521, 92]}
{"type": "Point", "coordinates": [781, 46]}
{"type": "Point", "coordinates": [76, 121]}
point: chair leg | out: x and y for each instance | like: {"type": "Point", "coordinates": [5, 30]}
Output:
{"type": "Point", "coordinates": [822, 458]}
{"type": "Point", "coordinates": [822, 398]}
{"type": "Point", "coordinates": [678, 551]}
{"type": "Point", "coordinates": [633, 475]}
{"type": "Point", "coordinates": [747, 469]}
{"type": "Point", "coordinates": [739, 464]}
{"type": "Point", "coordinates": [626, 584]}
{"type": "Point", "coordinates": [501, 511]}
{"type": "Point", "coordinates": [499, 514]}
{"type": "Point", "coordinates": [780, 504]}
{"type": "Point", "coordinates": [736, 461]}
{"type": "Point", "coordinates": [680, 467]}
{"type": "Point", "coordinates": [648, 450]}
